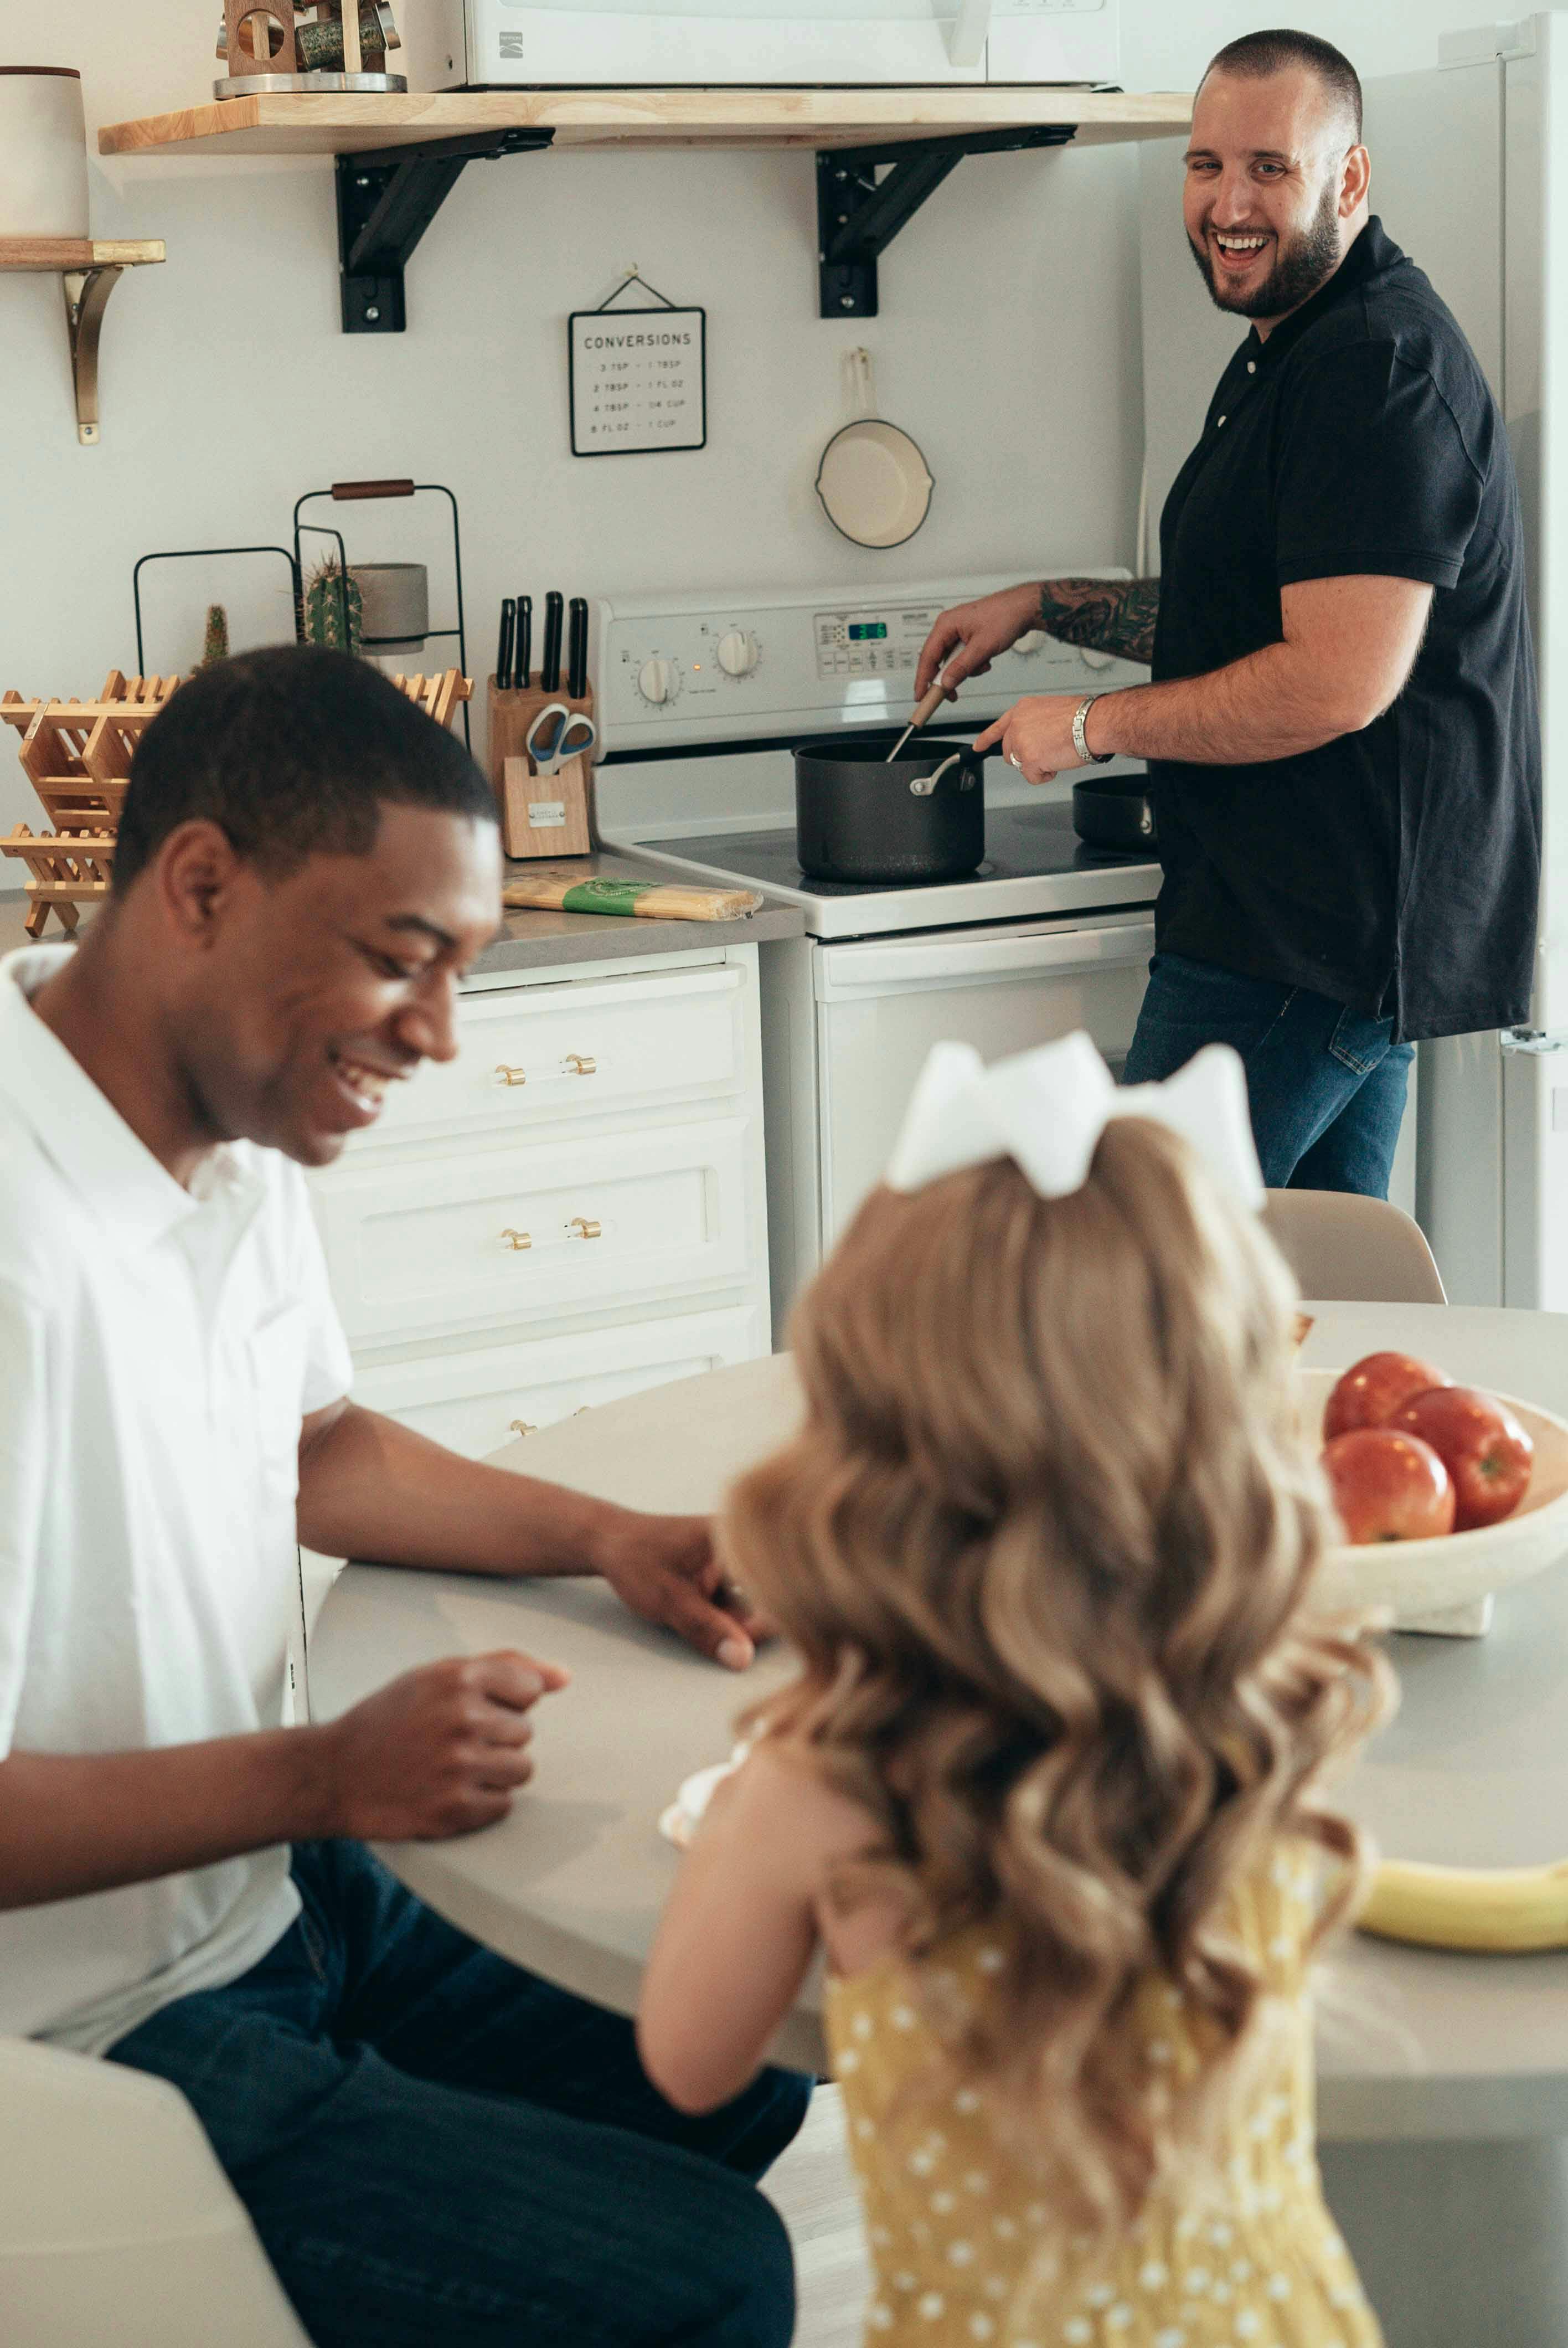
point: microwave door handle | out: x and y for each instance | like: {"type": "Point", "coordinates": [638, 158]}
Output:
{"type": "Point", "coordinates": [966, 39]}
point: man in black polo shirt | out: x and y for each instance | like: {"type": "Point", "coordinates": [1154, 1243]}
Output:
{"type": "Point", "coordinates": [1342, 732]}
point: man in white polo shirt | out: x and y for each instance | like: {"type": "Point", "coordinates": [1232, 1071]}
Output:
{"type": "Point", "coordinates": [432, 2143]}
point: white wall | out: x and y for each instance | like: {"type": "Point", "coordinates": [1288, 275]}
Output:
{"type": "Point", "coordinates": [1166, 44]}
{"type": "Point", "coordinates": [1008, 344]}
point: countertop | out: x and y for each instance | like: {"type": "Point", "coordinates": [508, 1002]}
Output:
{"type": "Point", "coordinates": [543, 940]}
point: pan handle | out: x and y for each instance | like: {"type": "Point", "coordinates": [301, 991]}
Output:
{"type": "Point", "coordinates": [924, 785]}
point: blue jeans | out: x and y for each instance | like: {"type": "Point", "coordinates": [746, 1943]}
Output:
{"type": "Point", "coordinates": [1326, 1087]}
{"type": "Point", "coordinates": [436, 2147]}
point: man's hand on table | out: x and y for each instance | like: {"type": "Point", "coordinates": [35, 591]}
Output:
{"type": "Point", "coordinates": [372, 1488]}
{"type": "Point", "coordinates": [664, 1570]}
{"type": "Point", "coordinates": [439, 1752]}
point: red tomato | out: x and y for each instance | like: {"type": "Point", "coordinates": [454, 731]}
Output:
{"type": "Point", "coordinates": [1389, 1486]}
{"type": "Point", "coordinates": [1481, 1443]}
{"type": "Point", "coordinates": [1374, 1388]}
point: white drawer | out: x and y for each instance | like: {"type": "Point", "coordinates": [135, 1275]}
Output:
{"type": "Point", "coordinates": [475, 1402]}
{"type": "Point", "coordinates": [505, 1233]}
{"type": "Point", "coordinates": [528, 1055]}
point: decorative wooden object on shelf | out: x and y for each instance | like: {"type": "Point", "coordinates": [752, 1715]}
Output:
{"type": "Point", "coordinates": [521, 792]}
{"type": "Point", "coordinates": [248, 23]}
{"type": "Point", "coordinates": [64, 872]}
{"type": "Point", "coordinates": [88, 270]}
{"type": "Point", "coordinates": [437, 696]}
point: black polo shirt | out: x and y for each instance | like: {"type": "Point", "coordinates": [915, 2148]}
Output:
{"type": "Point", "coordinates": [1395, 869]}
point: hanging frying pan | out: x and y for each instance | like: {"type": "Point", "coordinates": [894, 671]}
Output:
{"type": "Point", "coordinates": [872, 480]}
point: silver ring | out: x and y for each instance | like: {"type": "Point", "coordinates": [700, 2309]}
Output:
{"type": "Point", "coordinates": [1014, 760]}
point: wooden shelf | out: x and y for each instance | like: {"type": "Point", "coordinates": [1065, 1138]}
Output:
{"type": "Point", "coordinates": [879, 154]}
{"type": "Point", "coordinates": [303, 123]}
{"type": "Point", "coordinates": [52, 256]}
{"type": "Point", "coordinates": [89, 269]}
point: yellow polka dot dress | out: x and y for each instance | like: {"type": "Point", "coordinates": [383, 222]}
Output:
{"type": "Point", "coordinates": [965, 2251]}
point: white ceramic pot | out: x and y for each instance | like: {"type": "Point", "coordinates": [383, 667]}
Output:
{"type": "Point", "coordinates": [396, 598]}
{"type": "Point", "coordinates": [42, 152]}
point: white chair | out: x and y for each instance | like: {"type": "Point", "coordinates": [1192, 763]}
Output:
{"type": "Point", "coordinates": [116, 2224]}
{"type": "Point", "coordinates": [1348, 1249]}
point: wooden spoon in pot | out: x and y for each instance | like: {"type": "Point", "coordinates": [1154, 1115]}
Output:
{"type": "Point", "coordinates": [924, 713]}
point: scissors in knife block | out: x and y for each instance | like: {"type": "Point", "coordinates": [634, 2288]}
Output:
{"type": "Point", "coordinates": [557, 735]}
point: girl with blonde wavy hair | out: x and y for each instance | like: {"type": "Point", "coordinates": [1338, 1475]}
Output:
{"type": "Point", "coordinates": [1047, 1786]}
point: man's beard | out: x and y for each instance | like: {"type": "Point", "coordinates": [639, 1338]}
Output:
{"type": "Point", "coordinates": [1299, 268]}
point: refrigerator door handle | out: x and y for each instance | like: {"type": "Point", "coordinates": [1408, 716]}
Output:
{"type": "Point", "coordinates": [1534, 1042]}
{"type": "Point", "coordinates": [844, 972]}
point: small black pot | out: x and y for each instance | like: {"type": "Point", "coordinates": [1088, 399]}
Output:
{"type": "Point", "coordinates": [1115, 812]}
{"type": "Point", "coordinates": [860, 819]}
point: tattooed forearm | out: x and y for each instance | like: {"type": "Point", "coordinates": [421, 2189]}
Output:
{"type": "Point", "coordinates": [1102, 615]}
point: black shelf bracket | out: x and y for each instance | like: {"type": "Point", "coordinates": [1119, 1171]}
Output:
{"type": "Point", "coordinates": [386, 201]}
{"type": "Point", "coordinates": [858, 215]}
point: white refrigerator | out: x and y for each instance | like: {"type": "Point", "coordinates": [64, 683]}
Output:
{"type": "Point", "coordinates": [1470, 175]}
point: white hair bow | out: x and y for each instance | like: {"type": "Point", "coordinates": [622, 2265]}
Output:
{"type": "Point", "coordinates": [1046, 1109]}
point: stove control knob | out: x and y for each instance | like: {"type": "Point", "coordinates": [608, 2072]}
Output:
{"type": "Point", "coordinates": [1031, 641]}
{"type": "Point", "coordinates": [1096, 660]}
{"type": "Point", "coordinates": [739, 653]}
{"type": "Point", "coordinates": [656, 681]}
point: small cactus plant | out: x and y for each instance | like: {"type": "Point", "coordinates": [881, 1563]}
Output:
{"type": "Point", "coordinates": [326, 597]}
{"type": "Point", "coordinates": [215, 642]}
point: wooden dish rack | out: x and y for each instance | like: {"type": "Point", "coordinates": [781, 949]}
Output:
{"type": "Point", "coordinates": [76, 756]}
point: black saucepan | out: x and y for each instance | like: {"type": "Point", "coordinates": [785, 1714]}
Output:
{"type": "Point", "coordinates": [1113, 811]}
{"type": "Point", "coordinates": [861, 817]}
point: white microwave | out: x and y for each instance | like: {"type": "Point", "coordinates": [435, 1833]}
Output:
{"type": "Point", "coordinates": [778, 43]}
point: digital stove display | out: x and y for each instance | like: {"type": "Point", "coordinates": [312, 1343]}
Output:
{"type": "Point", "coordinates": [871, 644]}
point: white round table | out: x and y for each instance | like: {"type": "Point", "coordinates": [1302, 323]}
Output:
{"type": "Point", "coordinates": [1461, 2062]}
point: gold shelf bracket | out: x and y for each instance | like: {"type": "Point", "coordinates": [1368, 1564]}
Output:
{"type": "Point", "coordinates": [87, 293]}
{"type": "Point", "coordinates": [88, 270]}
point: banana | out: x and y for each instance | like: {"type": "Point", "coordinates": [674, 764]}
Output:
{"type": "Point", "coordinates": [1501, 1908]}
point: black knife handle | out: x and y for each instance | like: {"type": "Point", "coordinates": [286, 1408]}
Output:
{"type": "Point", "coordinates": [577, 655]}
{"type": "Point", "coordinates": [523, 666]}
{"type": "Point", "coordinates": [549, 666]}
{"type": "Point", "coordinates": [504, 650]}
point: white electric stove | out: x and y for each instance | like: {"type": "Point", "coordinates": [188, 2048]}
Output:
{"type": "Point", "coordinates": [700, 700]}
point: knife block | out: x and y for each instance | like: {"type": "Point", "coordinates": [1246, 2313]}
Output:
{"type": "Point", "coordinates": [528, 802]}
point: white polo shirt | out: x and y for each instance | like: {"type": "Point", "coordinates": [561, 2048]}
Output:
{"type": "Point", "coordinates": [158, 1349]}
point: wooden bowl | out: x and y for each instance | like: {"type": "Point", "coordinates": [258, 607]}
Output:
{"type": "Point", "coordinates": [1421, 1579]}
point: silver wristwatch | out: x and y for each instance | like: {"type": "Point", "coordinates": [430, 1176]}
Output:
{"type": "Point", "coordinates": [1080, 740]}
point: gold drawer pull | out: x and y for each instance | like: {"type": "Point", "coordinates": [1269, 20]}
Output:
{"type": "Point", "coordinates": [521, 1426]}
{"type": "Point", "coordinates": [511, 1075]}
{"type": "Point", "coordinates": [577, 1064]}
{"type": "Point", "coordinates": [516, 1239]}
{"type": "Point", "coordinates": [585, 1228]}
